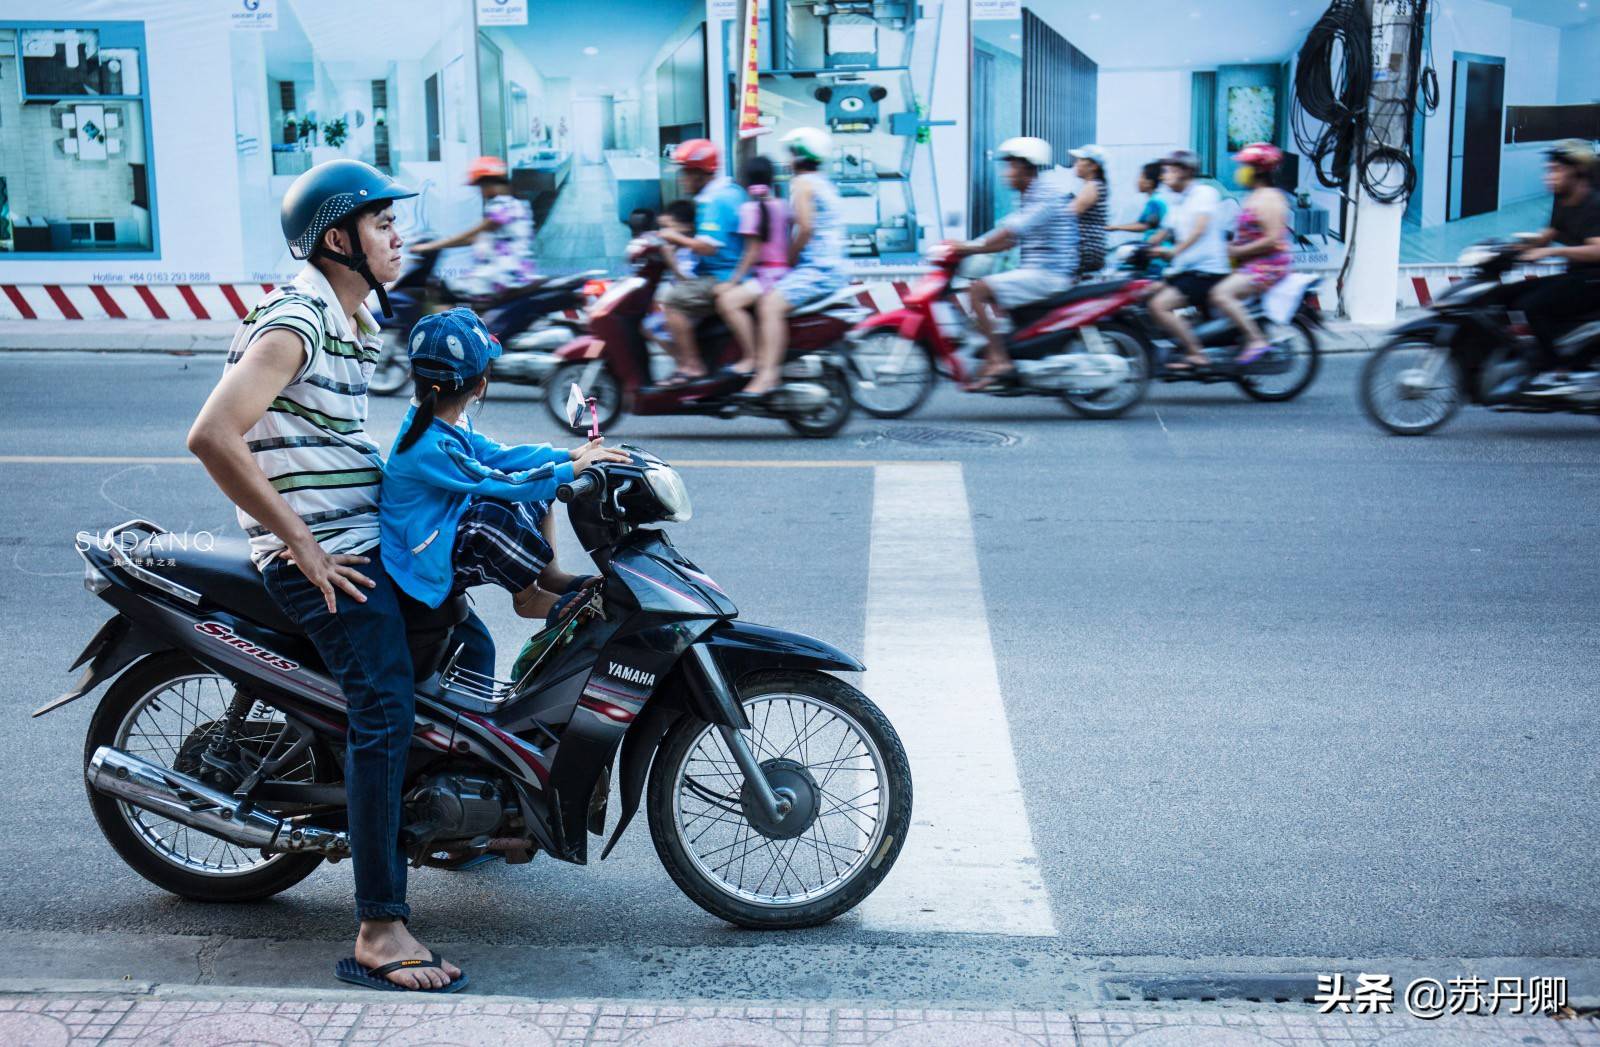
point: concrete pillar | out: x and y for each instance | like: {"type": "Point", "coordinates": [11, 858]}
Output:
{"type": "Point", "coordinates": [1373, 272]}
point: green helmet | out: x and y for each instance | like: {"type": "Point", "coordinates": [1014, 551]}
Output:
{"type": "Point", "coordinates": [810, 143]}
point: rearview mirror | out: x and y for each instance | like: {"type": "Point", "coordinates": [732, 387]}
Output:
{"type": "Point", "coordinates": [575, 402]}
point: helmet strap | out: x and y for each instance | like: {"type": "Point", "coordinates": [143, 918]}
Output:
{"type": "Point", "coordinates": [356, 260]}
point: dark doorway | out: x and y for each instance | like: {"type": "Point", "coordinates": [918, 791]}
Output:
{"type": "Point", "coordinates": [430, 105]}
{"type": "Point", "coordinates": [1477, 104]}
{"type": "Point", "coordinates": [981, 206]}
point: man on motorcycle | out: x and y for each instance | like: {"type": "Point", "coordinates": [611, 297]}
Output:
{"type": "Point", "coordinates": [283, 435]}
{"type": "Point", "coordinates": [1574, 230]}
{"type": "Point", "coordinates": [714, 242]}
{"type": "Point", "coordinates": [1199, 259]}
{"type": "Point", "coordinates": [1045, 230]}
{"type": "Point", "coordinates": [502, 242]}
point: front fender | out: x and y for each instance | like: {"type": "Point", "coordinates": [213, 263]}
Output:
{"type": "Point", "coordinates": [742, 648]}
{"type": "Point", "coordinates": [909, 322]}
{"type": "Point", "coordinates": [583, 347]}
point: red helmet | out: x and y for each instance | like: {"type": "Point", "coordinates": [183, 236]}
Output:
{"type": "Point", "coordinates": [701, 154]}
{"type": "Point", "coordinates": [486, 167]}
{"type": "Point", "coordinates": [1263, 156]}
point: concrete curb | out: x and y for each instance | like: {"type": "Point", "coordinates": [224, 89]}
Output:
{"type": "Point", "coordinates": [210, 337]}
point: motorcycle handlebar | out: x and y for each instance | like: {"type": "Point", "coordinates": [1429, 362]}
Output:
{"type": "Point", "coordinates": [581, 484]}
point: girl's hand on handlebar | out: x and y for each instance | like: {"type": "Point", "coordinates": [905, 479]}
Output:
{"type": "Point", "coordinates": [592, 453]}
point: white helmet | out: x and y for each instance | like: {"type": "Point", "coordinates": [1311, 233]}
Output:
{"type": "Point", "coordinates": [1035, 151]}
{"type": "Point", "coordinates": [809, 143]}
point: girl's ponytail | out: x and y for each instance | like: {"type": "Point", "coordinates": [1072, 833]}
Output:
{"type": "Point", "coordinates": [757, 177]}
{"type": "Point", "coordinates": [427, 401]}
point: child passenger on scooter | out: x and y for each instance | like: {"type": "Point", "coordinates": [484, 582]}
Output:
{"type": "Point", "coordinates": [457, 509]}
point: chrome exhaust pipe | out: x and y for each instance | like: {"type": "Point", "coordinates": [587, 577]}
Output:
{"type": "Point", "coordinates": [193, 803]}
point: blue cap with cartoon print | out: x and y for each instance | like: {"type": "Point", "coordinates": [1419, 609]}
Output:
{"type": "Point", "coordinates": [452, 348]}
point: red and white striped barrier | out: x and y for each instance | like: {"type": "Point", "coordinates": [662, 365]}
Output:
{"type": "Point", "coordinates": [128, 301]}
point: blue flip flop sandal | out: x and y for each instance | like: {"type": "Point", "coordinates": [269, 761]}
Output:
{"type": "Point", "coordinates": [348, 970]}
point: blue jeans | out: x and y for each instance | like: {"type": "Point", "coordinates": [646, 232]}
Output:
{"type": "Point", "coordinates": [364, 648]}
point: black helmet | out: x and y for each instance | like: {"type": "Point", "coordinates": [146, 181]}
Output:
{"type": "Point", "coordinates": [333, 194]}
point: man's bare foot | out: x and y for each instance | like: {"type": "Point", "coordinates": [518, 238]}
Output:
{"type": "Point", "coordinates": [387, 941]}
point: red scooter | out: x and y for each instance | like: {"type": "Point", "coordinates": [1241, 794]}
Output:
{"type": "Point", "coordinates": [612, 361]}
{"type": "Point", "coordinates": [1068, 346]}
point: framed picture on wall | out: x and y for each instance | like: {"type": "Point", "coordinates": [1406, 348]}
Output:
{"type": "Point", "coordinates": [1252, 116]}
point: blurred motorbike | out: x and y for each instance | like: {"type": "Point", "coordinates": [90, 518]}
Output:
{"type": "Point", "coordinates": [1470, 347]}
{"type": "Point", "coordinates": [1071, 346]}
{"type": "Point", "coordinates": [530, 321]}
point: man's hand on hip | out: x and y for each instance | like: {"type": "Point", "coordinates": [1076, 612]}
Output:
{"type": "Point", "coordinates": [329, 572]}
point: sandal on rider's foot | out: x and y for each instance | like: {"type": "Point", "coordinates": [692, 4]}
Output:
{"type": "Point", "coordinates": [350, 970]}
{"type": "Point", "coordinates": [677, 378]}
{"type": "Point", "coordinates": [580, 582]}
{"type": "Point", "coordinates": [1249, 356]}
{"type": "Point", "coordinates": [992, 383]}
{"type": "Point", "coordinates": [749, 399]}
{"type": "Point", "coordinates": [1185, 363]}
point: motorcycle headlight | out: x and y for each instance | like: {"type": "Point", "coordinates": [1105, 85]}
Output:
{"type": "Point", "coordinates": [667, 486]}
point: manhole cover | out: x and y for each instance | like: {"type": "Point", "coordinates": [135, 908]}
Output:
{"type": "Point", "coordinates": [939, 436]}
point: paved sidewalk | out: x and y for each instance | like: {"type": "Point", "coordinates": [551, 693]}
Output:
{"type": "Point", "coordinates": [213, 336]}
{"type": "Point", "coordinates": [60, 1020]}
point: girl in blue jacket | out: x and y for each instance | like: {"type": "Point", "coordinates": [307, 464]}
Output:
{"type": "Point", "coordinates": [458, 509]}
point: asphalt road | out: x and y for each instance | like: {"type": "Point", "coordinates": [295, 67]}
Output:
{"type": "Point", "coordinates": [1279, 686]}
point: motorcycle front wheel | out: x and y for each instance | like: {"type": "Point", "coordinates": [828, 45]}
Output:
{"type": "Point", "coordinates": [834, 753]}
{"type": "Point", "coordinates": [1411, 388]}
{"type": "Point", "coordinates": [394, 366]}
{"type": "Point", "coordinates": [891, 376]}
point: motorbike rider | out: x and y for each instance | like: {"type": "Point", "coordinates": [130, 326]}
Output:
{"type": "Point", "coordinates": [816, 255]}
{"type": "Point", "coordinates": [1574, 236]}
{"type": "Point", "coordinates": [1046, 232]}
{"type": "Point", "coordinates": [1199, 258]}
{"type": "Point", "coordinates": [1260, 247]}
{"type": "Point", "coordinates": [283, 435]}
{"type": "Point", "coordinates": [502, 242]}
{"type": "Point", "coordinates": [714, 242]}
{"type": "Point", "coordinates": [1152, 220]}
{"type": "Point", "coordinates": [1092, 206]}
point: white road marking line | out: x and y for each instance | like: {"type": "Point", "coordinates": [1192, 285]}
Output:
{"type": "Point", "coordinates": [969, 863]}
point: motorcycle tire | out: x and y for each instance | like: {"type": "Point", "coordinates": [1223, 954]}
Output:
{"type": "Point", "coordinates": [832, 416]}
{"type": "Point", "coordinates": [1271, 388]}
{"type": "Point", "coordinates": [910, 391]}
{"type": "Point", "coordinates": [1387, 419]}
{"type": "Point", "coordinates": [869, 865]}
{"type": "Point", "coordinates": [596, 381]}
{"type": "Point", "coordinates": [1097, 405]}
{"type": "Point", "coordinates": [393, 370]}
{"type": "Point", "coordinates": [149, 677]}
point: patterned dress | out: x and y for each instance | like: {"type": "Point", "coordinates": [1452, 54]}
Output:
{"type": "Point", "coordinates": [503, 255]}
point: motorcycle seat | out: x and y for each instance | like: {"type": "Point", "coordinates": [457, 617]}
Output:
{"type": "Point", "coordinates": [1023, 315]}
{"type": "Point", "coordinates": [221, 573]}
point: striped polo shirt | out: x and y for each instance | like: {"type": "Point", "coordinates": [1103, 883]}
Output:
{"type": "Point", "coordinates": [312, 443]}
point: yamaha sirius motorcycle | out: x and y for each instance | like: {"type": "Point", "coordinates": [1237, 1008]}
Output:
{"type": "Point", "coordinates": [778, 795]}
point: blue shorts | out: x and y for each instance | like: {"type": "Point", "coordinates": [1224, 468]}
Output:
{"type": "Point", "coordinates": [807, 284]}
{"type": "Point", "coordinates": [501, 543]}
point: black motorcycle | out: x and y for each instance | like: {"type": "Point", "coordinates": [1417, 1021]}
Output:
{"type": "Point", "coordinates": [1470, 347]}
{"type": "Point", "coordinates": [1283, 372]}
{"type": "Point", "coordinates": [779, 796]}
{"type": "Point", "coordinates": [531, 322]}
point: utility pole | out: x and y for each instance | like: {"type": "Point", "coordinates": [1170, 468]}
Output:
{"type": "Point", "coordinates": [1373, 269]}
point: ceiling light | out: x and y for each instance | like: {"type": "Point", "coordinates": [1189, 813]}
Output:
{"type": "Point", "coordinates": [591, 50]}
{"type": "Point", "coordinates": [1194, 14]}
{"type": "Point", "coordinates": [1016, 36]}
{"type": "Point", "coordinates": [1094, 16]}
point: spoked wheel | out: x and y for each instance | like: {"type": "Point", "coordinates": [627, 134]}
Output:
{"type": "Point", "coordinates": [1411, 388]}
{"type": "Point", "coordinates": [394, 366]}
{"type": "Point", "coordinates": [834, 755]}
{"type": "Point", "coordinates": [891, 376]}
{"type": "Point", "coordinates": [829, 417]}
{"type": "Point", "coordinates": [596, 380]}
{"type": "Point", "coordinates": [1117, 340]}
{"type": "Point", "coordinates": [1299, 341]}
{"type": "Point", "coordinates": [166, 709]}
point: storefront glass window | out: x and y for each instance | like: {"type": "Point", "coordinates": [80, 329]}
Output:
{"type": "Point", "coordinates": [75, 169]}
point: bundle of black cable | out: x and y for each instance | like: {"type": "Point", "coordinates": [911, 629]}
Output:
{"type": "Point", "coordinates": [1332, 81]}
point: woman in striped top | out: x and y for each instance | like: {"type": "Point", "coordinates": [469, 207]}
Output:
{"type": "Point", "coordinates": [1091, 206]}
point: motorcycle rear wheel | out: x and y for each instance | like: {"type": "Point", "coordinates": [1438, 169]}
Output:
{"type": "Point", "coordinates": [393, 370]}
{"type": "Point", "coordinates": [852, 837]}
{"type": "Point", "coordinates": [150, 844]}
{"type": "Point", "coordinates": [1125, 395]}
{"type": "Point", "coordinates": [828, 419]}
{"type": "Point", "coordinates": [1277, 388]}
